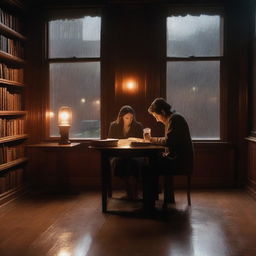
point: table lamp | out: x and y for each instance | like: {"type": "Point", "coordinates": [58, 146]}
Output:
{"type": "Point", "coordinates": [64, 123]}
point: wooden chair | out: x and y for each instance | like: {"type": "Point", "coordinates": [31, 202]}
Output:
{"type": "Point", "coordinates": [169, 188]}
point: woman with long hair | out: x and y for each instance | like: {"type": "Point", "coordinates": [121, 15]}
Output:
{"type": "Point", "coordinates": [126, 168]}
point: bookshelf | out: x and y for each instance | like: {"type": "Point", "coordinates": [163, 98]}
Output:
{"type": "Point", "coordinates": [12, 115]}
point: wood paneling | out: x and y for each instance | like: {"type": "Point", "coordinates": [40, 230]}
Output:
{"type": "Point", "coordinates": [83, 167]}
{"type": "Point", "coordinates": [251, 182]}
{"type": "Point", "coordinates": [251, 141]}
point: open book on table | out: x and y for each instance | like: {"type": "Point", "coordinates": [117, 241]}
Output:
{"type": "Point", "coordinates": [139, 142]}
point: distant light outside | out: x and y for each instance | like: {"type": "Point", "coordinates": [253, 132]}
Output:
{"type": "Point", "coordinates": [193, 90]}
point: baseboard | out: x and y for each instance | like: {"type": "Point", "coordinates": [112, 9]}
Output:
{"type": "Point", "coordinates": [12, 194]}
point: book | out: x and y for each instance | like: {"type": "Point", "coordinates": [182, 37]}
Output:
{"type": "Point", "coordinates": [104, 143]}
{"type": "Point", "coordinates": [141, 143]}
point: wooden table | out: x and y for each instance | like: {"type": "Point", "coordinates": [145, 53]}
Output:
{"type": "Point", "coordinates": [151, 152]}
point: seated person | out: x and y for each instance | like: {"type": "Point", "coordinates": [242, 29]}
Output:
{"type": "Point", "coordinates": [179, 149]}
{"type": "Point", "coordinates": [123, 127]}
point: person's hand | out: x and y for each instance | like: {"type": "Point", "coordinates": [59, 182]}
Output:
{"type": "Point", "coordinates": [164, 154]}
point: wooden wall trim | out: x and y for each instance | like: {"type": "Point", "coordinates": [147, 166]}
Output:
{"type": "Point", "coordinates": [251, 172]}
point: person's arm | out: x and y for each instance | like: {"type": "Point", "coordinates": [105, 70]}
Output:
{"type": "Point", "coordinates": [172, 134]}
{"type": "Point", "coordinates": [158, 140]}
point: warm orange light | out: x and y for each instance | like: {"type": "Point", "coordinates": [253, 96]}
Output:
{"type": "Point", "coordinates": [64, 252]}
{"type": "Point", "coordinates": [97, 102]}
{"type": "Point", "coordinates": [49, 114]}
{"type": "Point", "coordinates": [65, 116]}
{"type": "Point", "coordinates": [130, 85]}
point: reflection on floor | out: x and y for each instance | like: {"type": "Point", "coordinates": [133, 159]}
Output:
{"type": "Point", "coordinates": [219, 223]}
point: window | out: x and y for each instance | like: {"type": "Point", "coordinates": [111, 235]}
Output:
{"type": "Point", "coordinates": [74, 73]}
{"type": "Point", "coordinates": [194, 55]}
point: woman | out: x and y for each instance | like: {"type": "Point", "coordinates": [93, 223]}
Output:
{"type": "Point", "coordinates": [178, 155]}
{"type": "Point", "coordinates": [123, 127]}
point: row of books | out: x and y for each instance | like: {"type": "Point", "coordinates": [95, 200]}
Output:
{"type": "Point", "coordinates": [9, 101]}
{"type": "Point", "coordinates": [11, 180]}
{"type": "Point", "coordinates": [11, 46]}
{"type": "Point", "coordinates": [10, 153]}
{"type": "Point", "coordinates": [11, 127]}
{"type": "Point", "coordinates": [9, 20]}
{"type": "Point", "coordinates": [13, 74]}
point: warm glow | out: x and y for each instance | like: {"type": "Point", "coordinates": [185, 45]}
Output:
{"type": "Point", "coordinates": [65, 116]}
{"type": "Point", "coordinates": [64, 252]}
{"type": "Point", "coordinates": [83, 100]}
{"type": "Point", "coordinates": [50, 114]}
{"type": "Point", "coordinates": [194, 89]}
{"type": "Point", "coordinates": [130, 85]}
{"type": "Point", "coordinates": [97, 102]}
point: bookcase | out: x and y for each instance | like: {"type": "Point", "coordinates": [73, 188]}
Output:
{"type": "Point", "coordinates": [12, 115]}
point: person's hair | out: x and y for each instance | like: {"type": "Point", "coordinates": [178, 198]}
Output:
{"type": "Point", "coordinates": [161, 107]}
{"type": "Point", "coordinates": [123, 111]}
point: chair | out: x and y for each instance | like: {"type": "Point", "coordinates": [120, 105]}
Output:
{"type": "Point", "coordinates": [169, 196]}
{"type": "Point", "coordinates": [168, 183]}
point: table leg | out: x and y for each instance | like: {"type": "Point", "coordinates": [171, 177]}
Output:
{"type": "Point", "coordinates": [105, 172]}
{"type": "Point", "coordinates": [150, 183]}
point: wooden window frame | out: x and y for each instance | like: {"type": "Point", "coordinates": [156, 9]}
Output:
{"type": "Point", "coordinates": [184, 10]}
{"type": "Point", "coordinates": [46, 68]}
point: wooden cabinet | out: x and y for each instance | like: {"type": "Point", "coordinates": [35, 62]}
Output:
{"type": "Point", "coordinates": [12, 115]}
{"type": "Point", "coordinates": [53, 166]}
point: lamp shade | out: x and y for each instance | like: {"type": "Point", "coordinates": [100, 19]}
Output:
{"type": "Point", "coordinates": [64, 116]}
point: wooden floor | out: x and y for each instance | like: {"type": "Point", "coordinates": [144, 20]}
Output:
{"type": "Point", "coordinates": [219, 223]}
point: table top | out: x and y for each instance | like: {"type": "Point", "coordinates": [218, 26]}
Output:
{"type": "Point", "coordinates": [151, 147]}
{"type": "Point", "coordinates": [53, 145]}
{"type": "Point", "coordinates": [127, 145]}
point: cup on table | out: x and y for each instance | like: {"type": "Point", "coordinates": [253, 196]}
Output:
{"type": "Point", "coordinates": [147, 134]}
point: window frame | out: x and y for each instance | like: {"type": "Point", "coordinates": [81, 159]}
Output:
{"type": "Point", "coordinates": [48, 61]}
{"type": "Point", "coordinates": [223, 90]}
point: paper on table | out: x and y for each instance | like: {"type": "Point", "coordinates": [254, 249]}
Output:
{"type": "Point", "coordinates": [135, 139]}
{"type": "Point", "coordinates": [129, 141]}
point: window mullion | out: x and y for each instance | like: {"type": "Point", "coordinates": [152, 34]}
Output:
{"type": "Point", "coordinates": [64, 60]}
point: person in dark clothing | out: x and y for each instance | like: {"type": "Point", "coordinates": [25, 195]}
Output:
{"type": "Point", "coordinates": [123, 127]}
{"type": "Point", "coordinates": [177, 140]}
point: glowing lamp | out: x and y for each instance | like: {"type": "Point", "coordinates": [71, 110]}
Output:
{"type": "Point", "coordinates": [64, 123]}
{"type": "Point", "coordinates": [130, 85]}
